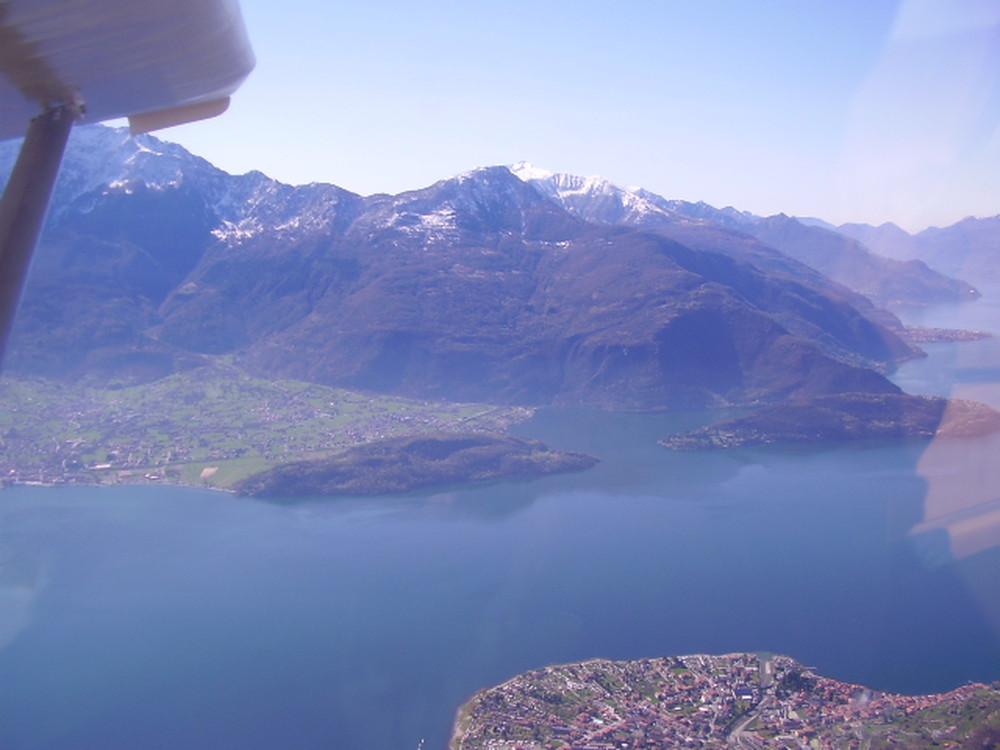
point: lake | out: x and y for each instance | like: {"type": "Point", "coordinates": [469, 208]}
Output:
{"type": "Point", "coordinates": [158, 617]}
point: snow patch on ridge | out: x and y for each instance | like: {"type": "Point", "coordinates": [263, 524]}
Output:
{"type": "Point", "coordinates": [232, 232]}
{"type": "Point", "coordinates": [441, 219]}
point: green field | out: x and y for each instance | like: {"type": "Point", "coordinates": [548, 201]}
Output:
{"type": "Point", "coordinates": [214, 426]}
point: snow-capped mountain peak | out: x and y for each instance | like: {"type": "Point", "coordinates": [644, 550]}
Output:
{"type": "Point", "coordinates": [595, 198]}
{"type": "Point", "coordinates": [526, 171]}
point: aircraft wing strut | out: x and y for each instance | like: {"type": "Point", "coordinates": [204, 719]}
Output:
{"type": "Point", "coordinates": [158, 62]}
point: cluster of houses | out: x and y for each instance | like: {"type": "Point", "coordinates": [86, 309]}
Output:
{"type": "Point", "coordinates": [701, 701]}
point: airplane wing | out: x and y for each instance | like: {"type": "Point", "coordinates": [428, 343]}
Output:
{"type": "Point", "coordinates": [119, 58]}
{"type": "Point", "coordinates": [157, 62]}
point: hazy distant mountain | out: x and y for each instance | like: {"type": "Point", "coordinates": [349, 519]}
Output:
{"type": "Point", "coordinates": [969, 249]}
{"type": "Point", "coordinates": [812, 221]}
{"type": "Point", "coordinates": [884, 280]}
{"type": "Point", "coordinates": [846, 262]}
{"type": "Point", "coordinates": [477, 287]}
{"type": "Point", "coordinates": [887, 239]}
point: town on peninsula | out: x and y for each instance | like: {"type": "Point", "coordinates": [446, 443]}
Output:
{"type": "Point", "coordinates": [742, 700]}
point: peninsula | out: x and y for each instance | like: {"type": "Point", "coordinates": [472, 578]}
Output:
{"type": "Point", "coordinates": [846, 416]}
{"type": "Point", "coordinates": [408, 463]}
{"type": "Point", "coordinates": [924, 335]}
{"type": "Point", "coordinates": [702, 701]}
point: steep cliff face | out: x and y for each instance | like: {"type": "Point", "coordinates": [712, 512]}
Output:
{"type": "Point", "coordinates": [478, 287]}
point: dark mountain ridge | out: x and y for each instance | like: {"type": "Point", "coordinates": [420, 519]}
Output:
{"type": "Point", "coordinates": [486, 291]}
{"type": "Point", "coordinates": [477, 287]}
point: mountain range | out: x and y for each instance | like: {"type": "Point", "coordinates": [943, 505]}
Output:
{"type": "Point", "coordinates": [505, 285]}
{"type": "Point", "coordinates": [840, 257]}
{"type": "Point", "coordinates": [968, 248]}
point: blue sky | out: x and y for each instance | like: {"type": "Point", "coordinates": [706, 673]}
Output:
{"type": "Point", "coordinates": [852, 110]}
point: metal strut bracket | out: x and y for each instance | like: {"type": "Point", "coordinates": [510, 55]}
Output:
{"type": "Point", "coordinates": [24, 203]}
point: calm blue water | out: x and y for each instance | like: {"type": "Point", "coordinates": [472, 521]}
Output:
{"type": "Point", "coordinates": [168, 618]}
